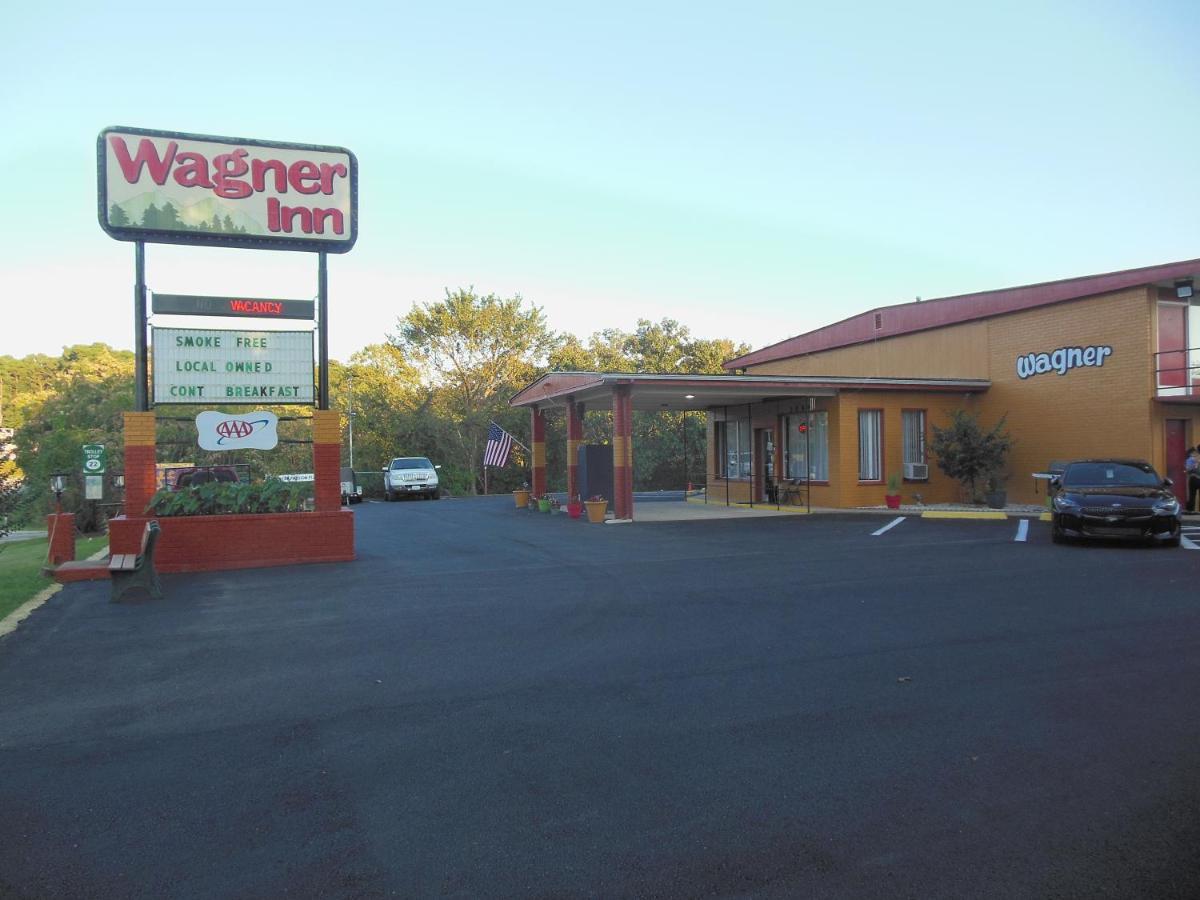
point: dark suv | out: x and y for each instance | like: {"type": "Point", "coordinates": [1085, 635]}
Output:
{"type": "Point", "coordinates": [1114, 498]}
{"type": "Point", "coordinates": [198, 475]}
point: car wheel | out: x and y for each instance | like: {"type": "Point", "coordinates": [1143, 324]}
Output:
{"type": "Point", "coordinates": [1171, 542]}
{"type": "Point", "coordinates": [1057, 536]}
{"type": "Point", "coordinates": [436, 495]}
{"type": "Point", "coordinates": [388, 497]}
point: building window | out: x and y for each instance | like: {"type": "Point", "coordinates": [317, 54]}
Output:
{"type": "Point", "coordinates": [914, 444]}
{"type": "Point", "coordinates": [733, 448]}
{"type": "Point", "coordinates": [807, 460]}
{"type": "Point", "coordinates": [869, 444]}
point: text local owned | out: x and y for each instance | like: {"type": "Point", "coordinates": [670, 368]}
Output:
{"type": "Point", "coordinates": [232, 366]}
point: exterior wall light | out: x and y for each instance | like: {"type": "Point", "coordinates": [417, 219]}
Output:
{"type": "Point", "coordinates": [118, 481]}
{"type": "Point", "coordinates": [689, 396]}
{"type": "Point", "coordinates": [1183, 289]}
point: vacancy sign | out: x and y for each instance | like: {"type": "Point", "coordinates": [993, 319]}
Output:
{"type": "Point", "coordinates": [258, 430]}
{"type": "Point", "coordinates": [209, 366]}
{"type": "Point", "coordinates": [177, 188]}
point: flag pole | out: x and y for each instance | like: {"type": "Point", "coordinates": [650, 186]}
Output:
{"type": "Point", "coordinates": [485, 484]}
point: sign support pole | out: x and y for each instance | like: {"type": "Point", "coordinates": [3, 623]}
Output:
{"type": "Point", "coordinates": [141, 391]}
{"type": "Point", "coordinates": [323, 332]}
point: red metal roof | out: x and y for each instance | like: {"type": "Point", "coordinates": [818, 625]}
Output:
{"type": "Point", "coordinates": [906, 318]}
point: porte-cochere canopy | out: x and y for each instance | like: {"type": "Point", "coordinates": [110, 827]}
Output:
{"type": "Point", "coordinates": [624, 392]}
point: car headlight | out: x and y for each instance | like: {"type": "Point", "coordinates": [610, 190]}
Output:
{"type": "Point", "coordinates": [1065, 504]}
{"type": "Point", "coordinates": [1167, 507]}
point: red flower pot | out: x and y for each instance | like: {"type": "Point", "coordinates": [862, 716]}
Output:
{"type": "Point", "coordinates": [892, 500]}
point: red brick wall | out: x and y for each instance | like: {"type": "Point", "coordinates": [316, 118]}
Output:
{"type": "Point", "coordinates": [61, 529]}
{"type": "Point", "coordinates": [205, 543]}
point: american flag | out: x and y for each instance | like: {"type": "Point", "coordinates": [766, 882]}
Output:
{"type": "Point", "coordinates": [499, 443]}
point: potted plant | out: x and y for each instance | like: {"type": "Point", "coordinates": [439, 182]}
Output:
{"type": "Point", "coordinates": [892, 498]}
{"type": "Point", "coordinates": [574, 507]}
{"type": "Point", "coordinates": [996, 496]}
{"type": "Point", "coordinates": [597, 506]}
{"type": "Point", "coordinates": [545, 503]}
{"type": "Point", "coordinates": [521, 496]}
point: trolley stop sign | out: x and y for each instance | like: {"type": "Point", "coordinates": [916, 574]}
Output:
{"type": "Point", "coordinates": [95, 459]}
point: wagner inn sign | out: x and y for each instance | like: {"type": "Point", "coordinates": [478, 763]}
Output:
{"type": "Point", "coordinates": [206, 366]}
{"type": "Point", "coordinates": [172, 187]}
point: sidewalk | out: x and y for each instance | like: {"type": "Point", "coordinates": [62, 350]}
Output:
{"type": "Point", "coordinates": [22, 536]}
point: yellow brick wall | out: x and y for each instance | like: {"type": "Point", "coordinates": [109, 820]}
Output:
{"type": "Point", "coordinates": [1090, 411]}
{"type": "Point", "coordinates": [957, 351]}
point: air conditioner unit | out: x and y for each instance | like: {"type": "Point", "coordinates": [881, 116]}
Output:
{"type": "Point", "coordinates": [916, 471]}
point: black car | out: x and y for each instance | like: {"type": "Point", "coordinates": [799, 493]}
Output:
{"type": "Point", "coordinates": [1114, 498]}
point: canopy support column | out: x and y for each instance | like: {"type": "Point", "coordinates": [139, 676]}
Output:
{"type": "Point", "coordinates": [623, 451]}
{"type": "Point", "coordinates": [574, 439]}
{"type": "Point", "coordinates": [537, 431]}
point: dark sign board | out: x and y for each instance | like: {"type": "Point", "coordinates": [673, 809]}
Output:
{"type": "Point", "coordinates": [240, 307]}
{"type": "Point", "coordinates": [169, 187]}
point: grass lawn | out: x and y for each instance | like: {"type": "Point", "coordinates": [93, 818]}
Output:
{"type": "Point", "coordinates": [21, 568]}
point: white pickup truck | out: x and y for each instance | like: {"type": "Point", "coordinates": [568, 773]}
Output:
{"type": "Point", "coordinates": [410, 475]}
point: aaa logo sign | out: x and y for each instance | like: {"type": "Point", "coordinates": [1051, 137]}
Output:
{"type": "Point", "coordinates": [229, 431]}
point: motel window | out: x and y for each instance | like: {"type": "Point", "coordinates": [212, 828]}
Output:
{"type": "Point", "coordinates": [733, 448]}
{"type": "Point", "coordinates": [807, 460]}
{"type": "Point", "coordinates": [870, 431]}
{"type": "Point", "coordinates": [914, 440]}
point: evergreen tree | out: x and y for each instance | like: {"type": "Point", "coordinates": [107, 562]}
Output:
{"type": "Point", "coordinates": [216, 223]}
{"type": "Point", "coordinates": [150, 217]}
{"type": "Point", "coordinates": [117, 217]}
{"type": "Point", "coordinates": [168, 217]}
{"type": "Point", "coordinates": [228, 224]}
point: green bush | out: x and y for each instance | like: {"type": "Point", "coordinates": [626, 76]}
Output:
{"type": "Point", "coordinates": [224, 497]}
{"type": "Point", "coordinates": [968, 454]}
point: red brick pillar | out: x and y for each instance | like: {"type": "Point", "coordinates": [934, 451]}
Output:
{"type": "Point", "coordinates": [574, 440]}
{"type": "Point", "coordinates": [538, 441]}
{"type": "Point", "coordinates": [623, 452]}
{"type": "Point", "coordinates": [60, 527]}
{"type": "Point", "coordinates": [141, 480]}
{"type": "Point", "coordinates": [327, 459]}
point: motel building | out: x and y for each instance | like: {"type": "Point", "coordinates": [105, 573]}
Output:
{"type": "Point", "coordinates": [1097, 366]}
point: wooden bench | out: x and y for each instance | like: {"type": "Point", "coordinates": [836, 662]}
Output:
{"type": "Point", "coordinates": [128, 571]}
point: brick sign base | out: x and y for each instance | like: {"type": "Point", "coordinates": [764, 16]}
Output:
{"type": "Point", "coordinates": [210, 543]}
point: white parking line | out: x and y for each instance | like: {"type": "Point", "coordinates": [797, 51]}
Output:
{"type": "Point", "coordinates": [890, 525]}
{"type": "Point", "coordinates": [1022, 530]}
{"type": "Point", "coordinates": [1188, 543]}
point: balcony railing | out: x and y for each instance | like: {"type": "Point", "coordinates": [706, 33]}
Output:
{"type": "Point", "coordinates": [1177, 373]}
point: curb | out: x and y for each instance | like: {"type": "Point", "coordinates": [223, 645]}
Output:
{"type": "Point", "coordinates": [965, 514]}
{"type": "Point", "coordinates": [13, 619]}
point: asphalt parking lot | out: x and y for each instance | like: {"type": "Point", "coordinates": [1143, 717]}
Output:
{"type": "Point", "coordinates": [499, 703]}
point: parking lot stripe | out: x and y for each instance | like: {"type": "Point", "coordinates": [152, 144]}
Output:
{"type": "Point", "coordinates": [888, 526]}
{"type": "Point", "coordinates": [1022, 530]}
{"type": "Point", "coordinates": [1188, 543]}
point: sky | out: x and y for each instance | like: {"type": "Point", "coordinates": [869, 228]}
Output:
{"type": "Point", "coordinates": [752, 170]}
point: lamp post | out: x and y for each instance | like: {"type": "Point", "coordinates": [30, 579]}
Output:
{"type": "Point", "coordinates": [58, 484]}
{"type": "Point", "coordinates": [351, 414]}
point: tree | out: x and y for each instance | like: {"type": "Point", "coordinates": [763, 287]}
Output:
{"type": "Point", "coordinates": [117, 217]}
{"type": "Point", "coordinates": [150, 217]}
{"type": "Point", "coordinates": [168, 216]}
{"type": "Point", "coordinates": [669, 448]}
{"type": "Point", "coordinates": [967, 453]}
{"type": "Point", "coordinates": [473, 352]}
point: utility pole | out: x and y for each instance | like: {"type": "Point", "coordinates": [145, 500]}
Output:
{"type": "Point", "coordinates": [351, 414]}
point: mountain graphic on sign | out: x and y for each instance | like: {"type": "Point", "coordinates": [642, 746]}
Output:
{"type": "Point", "coordinates": [149, 210]}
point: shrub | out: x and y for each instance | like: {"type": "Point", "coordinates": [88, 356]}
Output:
{"type": "Point", "coordinates": [967, 453]}
{"type": "Point", "coordinates": [224, 497]}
